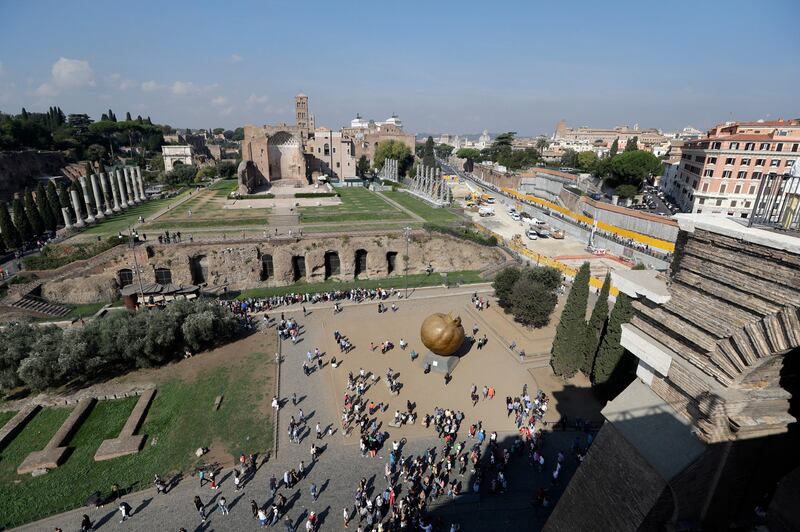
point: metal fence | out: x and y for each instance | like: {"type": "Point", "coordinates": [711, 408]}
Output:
{"type": "Point", "coordinates": [777, 203]}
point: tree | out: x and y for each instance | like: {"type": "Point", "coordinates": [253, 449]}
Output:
{"type": "Point", "coordinates": [393, 149]}
{"type": "Point", "coordinates": [614, 148]}
{"type": "Point", "coordinates": [21, 221]}
{"type": "Point", "coordinates": [43, 207]}
{"type": "Point", "coordinates": [569, 342]}
{"type": "Point", "coordinates": [503, 284]}
{"type": "Point", "coordinates": [95, 152]}
{"type": "Point", "coordinates": [218, 130]}
{"type": "Point", "coordinates": [570, 159]}
{"type": "Point", "coordinates": [238, 134]}
{"type": "Point", "coordinates": [226, 170]}
{"type": "Point", "coordinates": [444, 150]}
{"type": "Point", "coordinates": [54, 202]}
{"type": "Point", "coordinates": [611, 351]}
{"type": "Point", "coordinates": [182, 173]}
{"type": "Point", "coordinates": [468, 153]}
{"type": "Point", "coordinates": [632, 168]}
{"type": "Point", "coordinates": [206, 172]}
{"type": "Point", "coordinates": [587, 161]}
{"type": "Point", "coordinates": [542, 144]}
{"type": "Point", "coordinates": [8, 230]}
{"type": "Point", "coordinates": [626, 191]}
{"type": "Point", "coordinates": [428, 155]}
{"type": "Point", "coordinates": [632, 144]}
{"type": "Point", "coordinates": [362, 166]}
{"type": "Point", "coordinates": [532, 302]}
{"type": "Point", "coordinates": [597, 324]}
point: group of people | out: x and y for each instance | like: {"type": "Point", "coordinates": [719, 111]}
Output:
{"type": "Point", "coordinates": [355, 295]}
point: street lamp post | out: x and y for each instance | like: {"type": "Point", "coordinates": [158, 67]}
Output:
{"type": "Point", "coordinates": [407, 233]}
{"type": "Point", "coordinates": [132, 236]}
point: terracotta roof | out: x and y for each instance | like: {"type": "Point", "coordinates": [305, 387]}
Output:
{"type": "Point", "coordinates": [767, 123]}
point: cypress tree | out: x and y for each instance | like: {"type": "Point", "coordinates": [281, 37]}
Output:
{"type": "Point", "coordinates": [597, 324]}
{"type": "Point", "coordinates": [632, 144]}
{"type": "Point", "coordinates": [21, 221]}
{"type": "Point", "coordinates": [570, 340]}
{"type": "Point", "coordinates": [128, 116]}
{"type": "Point", "coordinates": [610, 352]}
{"type": "Point", "coordinates": [63, 198]}
{"type": "Point", "coordinates": [24, 114]}
{"type": "Point", "coordinates": [54, 202]}
{"type": "Point", "coordinates": [9, 230]}
{"type": "Point", "coordinates": [43, 206]}
{"type": "Point", "coordinates": [32, 210]}
{"type": "Point", "coordinates": [614, 148]}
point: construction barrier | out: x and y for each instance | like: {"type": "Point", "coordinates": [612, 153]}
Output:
{"type": "Point", "coordinates": [625, 233]}
{"type": "Point", "coordinates": [543, 260]}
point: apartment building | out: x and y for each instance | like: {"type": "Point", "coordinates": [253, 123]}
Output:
{"type": "Point", "coordinates": [720, 173]}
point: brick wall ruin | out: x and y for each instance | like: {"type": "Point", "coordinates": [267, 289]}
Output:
{"type": "Point", "coordinates": [243, 265]}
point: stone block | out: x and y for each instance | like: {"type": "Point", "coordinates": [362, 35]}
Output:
{"type": "Point", "coordinates": [127, 442]}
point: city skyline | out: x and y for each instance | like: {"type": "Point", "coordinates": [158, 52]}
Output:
{"type": "Point", "coordinates": [440, 70]}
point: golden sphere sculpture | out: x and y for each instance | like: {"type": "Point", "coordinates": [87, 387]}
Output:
{"type": "Point", "coordinates": [442, 333]}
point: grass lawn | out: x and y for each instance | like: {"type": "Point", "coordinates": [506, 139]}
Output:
{"type": "Point", "coordinates": [227, 185]}
{"type": "Point", "coordinates": [121, 222]}
{"type": "Point", "coordinates": [196, 223]}
{"type": "Point", "coordinates": [414, 281]}
{"type": "Point", "coordinates": [420, 208]}
{"type": "Point", "coordinates": [358, 204]}
{"type": "Point", "coordinates": [5, 416]}
{"type": "Point", "coordinates": [180, 420]}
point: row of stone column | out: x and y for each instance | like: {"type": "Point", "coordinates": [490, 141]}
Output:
{"type": "Point", "coordinates": [429, 183]}
{"type": "Point", "coordinates": [390, 169]}
{"type": "Point", "coordinates": [119, 189]}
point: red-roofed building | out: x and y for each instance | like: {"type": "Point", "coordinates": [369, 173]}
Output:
{"type": "Point", "coordinates": [720, 173]}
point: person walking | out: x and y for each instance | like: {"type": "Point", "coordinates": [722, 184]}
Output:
{"type": "Point", "coordinates": [319, 431]}
{"type": "Point", "coordinates": [294, 398]}
{"type": "Point", "coordinates": [254, 508]}
{"type": "Point", "coordinates": [86, 524]}
{"type": "Point", "coordinates": [273, 485]}
{"type": "Point", "coordinates": [124, 511]}
{"type": "Point", "coordinates": [485, 391]}
{"type": "Point", "coordinates": [200, 507]}
{"type": "Point", "coordinates": [223, 505]}
{"type": "Point", "coordinates": [237, 480]}
{"type": "Point", "coordinates": [313, 491]}
{"type": "Point", "coordinates": [346, 517]}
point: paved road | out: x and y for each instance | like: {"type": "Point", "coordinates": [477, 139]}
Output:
{"type": "Point", "coordinates": [338, 469]}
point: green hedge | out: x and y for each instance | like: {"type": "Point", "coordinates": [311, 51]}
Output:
{"type": "Point", "coordinates": [268, 195]}
{"type": "Point", "coordinates": [462, 232]}
{"type": "Point", "coordinates": [57, 255]}
{"type": "Point", "coordinates": [316, 194]}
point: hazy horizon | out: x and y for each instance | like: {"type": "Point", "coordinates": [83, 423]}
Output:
{"type": "Point", "coordinates": [455, 68]}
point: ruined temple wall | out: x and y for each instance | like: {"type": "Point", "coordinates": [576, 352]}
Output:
{"type": "Point", "coordinates": [239, 265]}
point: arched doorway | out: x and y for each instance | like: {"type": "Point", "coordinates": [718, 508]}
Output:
{"type": "Point", "coordinates": [391, 262]}
{"type": "Point", "coordinates": [332, 265]}
{"type": "Point", "coordinates": [198, 265]}
{"type": "Point", "coordinates": [298, 267]}
{"type": "Point", "coordinates": [163, 275]}
{"type": "Point", "coordinates": [361, 262]}
{"type": "Point", "coordinates": [267, 271]}
{"type": "Point", "coordinates": [125, 277]}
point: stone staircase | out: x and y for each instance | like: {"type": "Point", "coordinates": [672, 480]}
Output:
{"type": "Point", "coordinates": [32, 303]}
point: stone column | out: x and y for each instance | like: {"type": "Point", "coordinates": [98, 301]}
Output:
{"type": "Point", "coordinates": [114, 193]}
{"type": "Point", "coordinates": [140, 182]}
{"type": "Point", "coordinates": [134, 187]}
{"type": "Point", "coordinates": [76, 206]}
{"type": "Point", "coordinates": [97, 197]}
{"type": "Point", "coordinates": [123, 197]}
{"type": "Point", "coordinates": [104, 187]}
{"type": "Point", "coordinates": [89, 216]}
{"type": "Point", "coordinates": [67, 220]}
{"type": "Point", "coordinates": [126, 178]}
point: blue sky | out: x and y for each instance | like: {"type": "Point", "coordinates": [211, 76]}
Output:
{"type": "Point", "coordinates": [456, 67]}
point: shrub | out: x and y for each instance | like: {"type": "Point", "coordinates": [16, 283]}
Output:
{"type": "Point", "coordinates": [49, 356]}
{"type": "Point", "coordinates": [529, 294]}
{"type": "Point", "coordinates": [462, 232]}
{"type": "Point", "coordinates": [57, 255]}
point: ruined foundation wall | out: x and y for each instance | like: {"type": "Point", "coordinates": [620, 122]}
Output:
{"type": "Point", "coordinates": [239, 266]}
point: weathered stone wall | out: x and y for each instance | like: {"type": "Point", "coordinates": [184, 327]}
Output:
{"type": "Point", "coordinates": [238, 265]}
{"type": "Point", "coordinates": [19, 169]}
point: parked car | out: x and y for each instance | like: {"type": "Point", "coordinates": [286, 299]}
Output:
{"type": "Point", "coordinates": [531, 234]}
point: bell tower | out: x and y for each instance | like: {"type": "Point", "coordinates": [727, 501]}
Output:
{"type": "Point", "coordinates": [301, 113]}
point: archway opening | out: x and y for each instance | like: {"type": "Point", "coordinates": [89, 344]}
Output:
{"type": "Point", "coordinates": [163, 275]}
{"type": "Point", "coordinates": [125, 277]}
{"type": "Point", "coordinates": [267, 271]}
{"type": "Point", "coordinates": [361, 262]}
{"type": "Point", "coordinates": [298, 267]}
{"type": "Point", "coordinates": [391, 262]}
{"type": "Point", "coordinates": [332, 266]}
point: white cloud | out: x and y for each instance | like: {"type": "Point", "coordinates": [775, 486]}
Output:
{"type": "Point", "coordinates": [120, 83]}
{"type": "Point", "coordinates": [227, 111]}
{"type": "Point", "coordinates": [72, 73]}
{"type": "Point", "coordinates": [236, 58]}
{"type": "Point", "coordinates": [219, 101]}
{"type": "Point", "coordinates": [254, 100]}
{"type": "Point", "coordinates": [182, 88]}
{"type": "Point", "coordinates": [150, 86]}
{"type": "Point", "coordinates": [45, 89]}
{"type": "Point", "coordinates": [66, 74]}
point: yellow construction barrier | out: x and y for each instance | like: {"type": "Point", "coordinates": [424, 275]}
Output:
{"type": "Point", "coordinates": [540, 259]}
{"type": "Point", "coordinates": [638, 237]}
